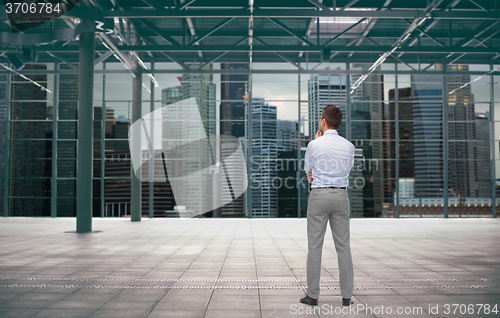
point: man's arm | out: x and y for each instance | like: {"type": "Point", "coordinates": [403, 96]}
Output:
{"type": "Point", "coordinates": [351, 157]}
{"type": "Point", "coordinates": [307, 160]}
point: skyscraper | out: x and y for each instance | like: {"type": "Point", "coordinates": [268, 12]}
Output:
{"type": "Point", "coordinates": [201, 87]}
{"type": "Point", "coordinates": [232, 107]}
{"type": "Point", "coordinates": [262, 192]}
{"type": "Point", "coordinates": [232, 115]}
{"type": "Point", "coordinates": [171, 95]}
{"type": "Point", "coordinates": [483, 165]}
{"type": "Point", "coordinates": [461, 130]}
{"type": "Point", "coordinates": [325, 89]}
{"type": "Point", "coordinates": [356, 183]}
{"type": "Point", "coordinates": [427, 131]}
{"type": "Point", "coordinates": [29, 190]}
{"type": "Point", "coordinates": [287, 183]}
{"type": "Point", "coordinates": [406, 161]}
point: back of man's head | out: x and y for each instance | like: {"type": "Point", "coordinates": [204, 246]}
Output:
{"type": "Point", "coordinates": [333, 116]}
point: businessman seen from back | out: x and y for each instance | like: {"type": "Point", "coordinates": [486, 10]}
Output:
{"type": "Point", "coordinates": [328, 162]}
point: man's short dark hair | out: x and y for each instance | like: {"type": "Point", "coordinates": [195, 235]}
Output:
{"type": "Point", "coordinates": [333, 116]}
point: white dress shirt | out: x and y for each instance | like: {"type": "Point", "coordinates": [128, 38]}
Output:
{"type": "Point", "coordinates": [330, 159]}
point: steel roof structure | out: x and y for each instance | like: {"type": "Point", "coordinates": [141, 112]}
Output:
{"type": "Point", "coordinates": [290, 31]}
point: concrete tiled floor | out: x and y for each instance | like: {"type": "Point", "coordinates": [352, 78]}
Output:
{"type": "Point", "coordinates": [241, 268]}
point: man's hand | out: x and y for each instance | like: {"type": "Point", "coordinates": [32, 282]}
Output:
{"type": "Point", "coordinates": [309, 177]}
{"type": "Point", "coordinates": [319, 134]}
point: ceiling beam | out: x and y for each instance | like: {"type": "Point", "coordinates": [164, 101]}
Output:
{"type": "Point", "coordinates": [304, 13]}
{"type": "Point", "coordinates": [271, 48]}
{"type": "Point", "coordinates": [289, 60]}
{"type": "Point", "coordinates": [319, 5]}
{"type": "Point", "coordinates": [185, 4]}
{"type": "Point", "coordinates": [264, 71]}
{"type": "Point", "coordinates": [62, 60]}
{"type": "Point", "coordinates": [426, 34]}
{"type": "Point", "coordinates": [347, 6]}
{"type": "Point", "coordinates": [212, 60]}
{"type": "Point", "coordinates": [155, 5]}
{"type": "Point", "coordinates": [284, 27]}
{"type": "Point", "coordinates": [124, 57]}
{"type": "Point", "coordinates": [217, 27]}
{"type": "Point", "coordinates": [103, 57]}
{"type": "Point", "coordinates": [158, 31]}
{"type": "Point", "coordinates": [480, 30]}
{"type": "Point", "coordinates": [479, 6]}
{"type": "Point", "coordinates": [343, 32]}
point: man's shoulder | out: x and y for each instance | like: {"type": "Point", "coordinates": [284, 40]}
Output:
{"type": "Point", "coordinates": [320, 141]}
{"type": "Point", "coordinates": [346, 142]}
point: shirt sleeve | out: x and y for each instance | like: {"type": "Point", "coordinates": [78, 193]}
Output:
{"type": "Point", "coordinates": [351, 157]}
{"type": "Point", "coordinates": [307, 163]}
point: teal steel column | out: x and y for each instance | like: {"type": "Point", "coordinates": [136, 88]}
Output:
{"type": "Point", "coordinates": [445, 141]}
{"type": "Point", "coordinates": [151, 162]}
{"type": "Point", "coordinates": [299, 155]}
{"type": "Point", "coordinates": [492, 146]}
{"type": "Point", "coordinates": [7, 147]}
{"type": "Point", "coordinates": [249, 142]}
{"type": "Point", "coordinates": [85, 151]}
{"type": "Point", "coordinates": [348, 120]}
{"type": "Point", "coordinates": [135, 187]}
{"type": "Point", "coordinates": [396, 128]}
{"type": "Point", "coordinates": [103, 137]}
{"type": "Point", "coordinates": [55, 119]}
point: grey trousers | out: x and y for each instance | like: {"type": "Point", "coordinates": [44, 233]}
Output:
{"type": "Point", "coordinates": [329, 205]}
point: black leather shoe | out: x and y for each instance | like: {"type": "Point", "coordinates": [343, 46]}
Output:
{"type": "Point", "coordinates": [309, 301]}
{"type": "Point", "coordinates": [347, 302]}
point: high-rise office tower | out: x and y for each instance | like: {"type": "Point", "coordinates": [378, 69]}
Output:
{"type": "Point", "coordinates": [406, 162]}
{"type": "Point", "coordinates": [171, 95]}
{"type": "Point", "coordinates": [262, 192]}
{"type": "Point", "coordinates": [288, 182]}
{"type": "Point", "coordinates": [483, 165]}
{"type": "Point", "coordinates": [325, 89]}
{"type": "Point", "coordinates": [461, 131]}
{"type": "Point", "coordinates": [232, 106]}
{"type": "Point", "coordinates": [232, 115]}
{"type": "Point", "coordinates": [235, 208]}
{"type": "Point", "coordinates": [29, 191]}
{"type": "Point", "coordinates": [369, 96]}
{"type": "Point", "coordinates": [357, 182]}
{"type": "Point", "coordinates": [66, 145]}
{"type": "Point", "coordinates": [427, 131]}
{"type": "Point", "coordinates": [201, 87]}
{"type": "Point", "coordinates": [287, 135]}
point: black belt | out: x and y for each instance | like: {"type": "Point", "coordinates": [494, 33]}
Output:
{"type": "Point", "coordinates": [343, 188]}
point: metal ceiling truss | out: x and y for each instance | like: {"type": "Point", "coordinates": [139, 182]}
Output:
{"type": "Point", "coordinates": [217, 32]}
{"type": "Point", "coordinates": [314, 70]}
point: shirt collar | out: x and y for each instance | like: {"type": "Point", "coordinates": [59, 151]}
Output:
{"type": "Point", "coordinates": [330, 132]}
